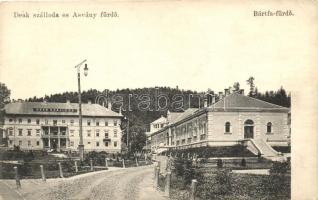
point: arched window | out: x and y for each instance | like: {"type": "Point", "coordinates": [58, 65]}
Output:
{"type": "Point", "coordinates": [227, 127]}
{"type": "Point", "coordinates": [249, 122]}
{"type": "Point", "coordinates": [269, 127]}
{"type": "Point", "coordinates": [248, 129]}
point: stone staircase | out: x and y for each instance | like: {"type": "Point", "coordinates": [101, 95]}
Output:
{"type": "Point", "coordinates": [265, 149]}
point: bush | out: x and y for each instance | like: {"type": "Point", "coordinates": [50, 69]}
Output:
{"type": "Point", "coordinates": [243, 162]}
{"type": "Point", "coordinates": [215, 186]}
{"type": "Point", "coordinates": [185, 170]}
{"type": "Point", "coordinates": [219, 163]}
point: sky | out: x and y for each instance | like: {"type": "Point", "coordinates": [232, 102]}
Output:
{"type": "Point", "coordinates": [194, 45]}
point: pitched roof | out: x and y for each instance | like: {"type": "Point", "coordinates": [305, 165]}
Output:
{"type": "Point", "coordinates": [162, 119]}
{"type": "Point", "coordinates": [63, 109]}
{"type": "Point", "coordinates": [180, 116]}
{"type": "Point", "coordinates": [240, 102]}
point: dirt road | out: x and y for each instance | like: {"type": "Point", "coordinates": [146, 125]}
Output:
{"type": "Point", "coordinates": [115, 183]}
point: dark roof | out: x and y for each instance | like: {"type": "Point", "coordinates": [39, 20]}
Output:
{"type": "Point", "coordinates": [236, 101]}
{"type": "Point", "coordinates": [63, 109]}
{"type": "Point", "coordinates": [162, 119]}
{"type": "Point", "coordinates": [180, 116]}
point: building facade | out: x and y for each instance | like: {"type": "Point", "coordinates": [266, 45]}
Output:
{"type": "Point", "coordinates": [44, 126]}
{"type": "Point", "coordinates": [232, 120]}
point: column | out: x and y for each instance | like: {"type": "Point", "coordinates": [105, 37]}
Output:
{"type": "Point", "coordinates": [49, 137]}
{"type": "Point", "coordinates": [58, 139]}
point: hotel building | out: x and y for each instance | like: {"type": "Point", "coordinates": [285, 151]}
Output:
{"type": "Point", "coordinates": [234, 119]}
{"type": "Point", "coordinates": [44, 126]}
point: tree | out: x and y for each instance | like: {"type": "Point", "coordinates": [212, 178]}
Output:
{"type": "Point", "coordinates": [236, 86]}
{"type": "Point", "coordinates": [4, 95]}
{"type": "Point", "coordinates": [250, 82]}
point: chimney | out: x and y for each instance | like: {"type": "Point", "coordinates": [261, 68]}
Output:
{"type": "Point", "coordinates": [220, 95]}
{"type": "Point", "coordinates": [241, 91]}
{"type": "Point", "coordinates": [109, 105]}
{"type": "Point", "coordinates": [226, 92]}
{"type": "Point", "coordinates": [205, 102]}
{"type": "Point", "coordinates": [68, 101]}
{"type": "Point", "coordinates": [213, 99]}
{"type": "Point", "coordinates": [89, 102]}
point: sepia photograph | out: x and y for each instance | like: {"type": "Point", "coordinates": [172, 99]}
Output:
{"type": "Point", "coordinates": [158, 100]}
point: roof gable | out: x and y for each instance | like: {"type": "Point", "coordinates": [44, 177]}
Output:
{"type": "Point", "coordinates": [238, 101]}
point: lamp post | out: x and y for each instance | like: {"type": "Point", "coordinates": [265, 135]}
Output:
{"type": "Point", "coordinates": [81, 145]}
{"type": "Point", "coordinates": [127, 133]}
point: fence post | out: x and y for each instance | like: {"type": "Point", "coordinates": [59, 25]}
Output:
{"type": "Point", "coordinates": [157, 170]}
{"type": "Point", "coordinates": [168, 185]}
{"type": "Point", "coordinates": [17, 178]}
{"type": "Point", "coordinates": [106, 163]}
{"type": "Point", "coordinates": [61, 171]}
{"type": "Point", "coordinates": [124, 163]}
{"type": "Point", "coordinates": [91, 163]}
{"type": "Point", "coordinates": [146, 161]}
{"type": "Point", "coordinates": [193, 189]}
{"type": "Point", "coordinates": [42, 173]}
{"type": "Point", "coordinates": [136, 162]}
{"type": "Point", "coordinates": [76, 168]}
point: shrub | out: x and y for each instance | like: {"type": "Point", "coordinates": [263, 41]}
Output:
{"type": "Point", "coordinates": [243, 162]}
{"type": "Point", "coordinates": [215, 186]}
{"type": "Point", "coordinates": [219, 163]}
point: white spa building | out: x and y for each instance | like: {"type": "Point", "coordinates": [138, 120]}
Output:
{"type": "Point", "coordinates": [55, 126]}
{"type": "Point", "coordinates": [234, 119]}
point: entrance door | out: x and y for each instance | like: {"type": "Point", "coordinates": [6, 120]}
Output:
{"type": "Point", "coordinates": [249, 129]}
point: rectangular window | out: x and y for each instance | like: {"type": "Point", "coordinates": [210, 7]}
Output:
{"type": "Point", "coordinates": [10, 142]}
{"type": "Point", "coordinates": [97, 144]}
{"type": "Point", "coordinates": [72, 133]}
{"type": "Point", "coordinates": [37, 121]}
{"type": "Point", "coordinates": [29, 132]}
{"type": "Point", "coordinates": [37, 143]}
{"type": "Point", "coordinates": [88, 123]}
{"type": "Point", "coordinates": [106, 144]}
{"type": "Point", "coordinates": [71, 143]}
{"type": "Point", "coordinates": [97, 133]}
{"type": "Point", "coordinates": [38, 131]}
{"type": "Point", "coordinates": [63, 121]}
{"type": "Point", "coordinates": [88, 133]}
{"type": "Point", "coordinates": [115, 123]}
{"type": "Point", "coordinates": [88, 142]}
{"type": "Point", "coordinates": [97, 123]}
{"type": "Point", "coordinates": [20, 121]}
{"type": "Point", "coordinates": [106, 123]}
{"type": "Point", "coordinates": [29, 121]}
{"type": "Point", "coordinates": [20, 143]}
{"type": "Point", "coordinates": [10, 120]}
{"type": "Point", "coordinates": [29, 143]}
{"type": "Point", "coordinates": [54, 122]}
{"type": "Point", "coordinates": [10, 132]}
{"type": "Point", "coordinates": [72, 122]}
{"type": "Point", "coordinates": [115, 133]}
{"type": "Point", "coordinates": [20, 132]}
{"type": "Point", "coordinates": [115, 144]}
{"type": "Point", "coordinates": [106, 134]}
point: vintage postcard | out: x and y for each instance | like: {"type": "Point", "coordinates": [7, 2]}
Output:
{"type": "Point", "coordinates": [144, 100]}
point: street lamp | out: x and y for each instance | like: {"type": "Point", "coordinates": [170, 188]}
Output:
{"type": "Point", "coordinates": [127, 133]}
{"type": "Point", "coordinates": [80, 145]}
